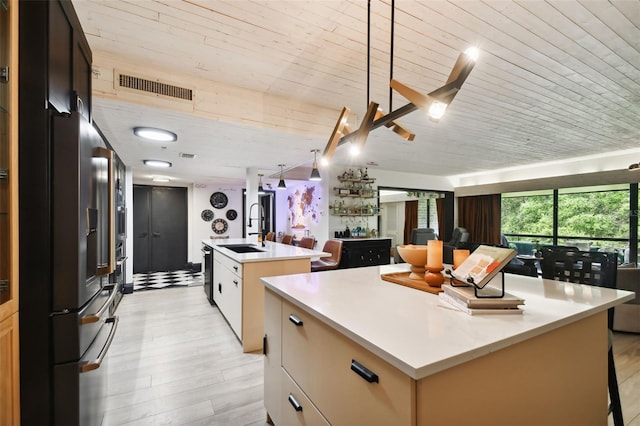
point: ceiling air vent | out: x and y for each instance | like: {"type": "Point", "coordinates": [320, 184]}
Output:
{"type": "Point", "coordinates": [154, 86]}
{"type": "Point", "coordinates": [185, 155]}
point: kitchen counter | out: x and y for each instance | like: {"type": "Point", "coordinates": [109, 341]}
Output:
{"type": "Point", "coordinates": [235, 282]}
{"type": "Point", "coordinates": [272, 251]}
{"type": "Point", "coordinates": [528, 364]}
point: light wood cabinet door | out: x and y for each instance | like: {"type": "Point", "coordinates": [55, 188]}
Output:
{"type": "Point", "coordinates": [9, 368]}
{"type": "Point", "coordinates": [9, 354]}
{"type": "Point", "coordinates": [297, 409]}
{"type": "Point", "coordinates": [8, 159]}
{"type": "Point", "coordinates": [273, 355]}
{"type": "Point", "coordinates": [346, 382]}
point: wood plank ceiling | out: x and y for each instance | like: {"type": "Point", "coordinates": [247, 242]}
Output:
{"type": "Point", "coordinates": [555, 80]}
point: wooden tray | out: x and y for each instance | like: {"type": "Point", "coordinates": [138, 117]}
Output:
{"type": "Point", "coordinates": [402, 278]}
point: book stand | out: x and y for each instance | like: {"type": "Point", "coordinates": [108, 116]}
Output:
{"type": "Point", "coordinates": [476, 289]}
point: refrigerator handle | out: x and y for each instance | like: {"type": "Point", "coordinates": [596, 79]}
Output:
{"type": "Point", "coordinates": [88, 319]}
{"type": "Point", "coordinates": [111, 265]}
{"type": "Point", "coordinates": [93, 365]}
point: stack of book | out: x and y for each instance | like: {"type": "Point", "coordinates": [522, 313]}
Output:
{"type": "Point", "coordinates": [464, 299]}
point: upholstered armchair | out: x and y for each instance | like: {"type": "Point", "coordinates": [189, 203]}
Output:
{"type": "Point", "coordinates": [458, 237]}
{"type": "Point", "coordinates": [419, 236]}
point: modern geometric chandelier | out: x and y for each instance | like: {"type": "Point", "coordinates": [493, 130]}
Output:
{"type": "Point", "coordinates": [434, 104]}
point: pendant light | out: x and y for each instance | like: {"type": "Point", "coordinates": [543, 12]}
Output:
{"type": "Point", "coordinates": [260, 188]}
{"type": "Point", "coordinates": [281, 184]}
{"type": "Point", "coordinates": [315, 174]}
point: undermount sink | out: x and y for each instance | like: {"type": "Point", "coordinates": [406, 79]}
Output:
{"type": "Point", "coordinates": [241, 248]}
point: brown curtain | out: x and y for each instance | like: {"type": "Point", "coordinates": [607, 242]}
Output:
{"type": "Point", "coordinates": [441, 218]}
{"type": "Point", "coordinates": [481, 216]}
{"type": "Point", "coordinates": [410, 219]}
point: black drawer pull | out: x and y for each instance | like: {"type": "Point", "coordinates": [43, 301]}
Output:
{"type": "Point", "coordinates": [219, 287]}
{"type": "Point", "coordinates": [235, 268]}
{"type": "Point", "coordinates": [235, 282]}
{"type": "Point", "coordinates": [294, 403]}
{"type": "Point", "coordinates": [264, 345]}
{"type": "Point", "coordinates": [294, 319]}
{"type": "Point", "coordinates": [364, 372]}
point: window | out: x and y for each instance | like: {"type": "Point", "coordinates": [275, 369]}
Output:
{"type": "Point", "coordinates": [428, 214]}
{"type": "Point", "coordinates": [594, 217]}
{"type": "Point", "coordinates": [528, 216]}
{"type": "Point", "coordinates": [590, 218]}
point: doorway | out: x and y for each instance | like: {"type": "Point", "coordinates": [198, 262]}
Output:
{"type": "Point", "coordinates": [392, 217]}
{"type": "Point", "coordinates": [160, 228]}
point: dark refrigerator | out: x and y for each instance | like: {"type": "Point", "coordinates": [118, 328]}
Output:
{"type": "Point", "coordinates": [70, 324]}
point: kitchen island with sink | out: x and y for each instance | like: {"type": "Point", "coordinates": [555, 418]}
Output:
{"type": "Point", "coordinates": [345, 347]}
{"type": "Point", "coordinates": [234, 280]}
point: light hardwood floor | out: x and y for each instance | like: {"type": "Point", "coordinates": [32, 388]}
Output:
{"type": "Point", "coordinates": [175, 361]}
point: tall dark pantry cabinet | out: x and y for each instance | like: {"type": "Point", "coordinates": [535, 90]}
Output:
{"type": "Point", "coordinates": [67, 209]}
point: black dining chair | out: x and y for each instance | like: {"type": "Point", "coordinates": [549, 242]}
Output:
{"type": "Point", "coordinates": [592, 268]}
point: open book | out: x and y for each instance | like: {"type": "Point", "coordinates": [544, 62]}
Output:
{"type": "Point", "coordinates": [482, 265]}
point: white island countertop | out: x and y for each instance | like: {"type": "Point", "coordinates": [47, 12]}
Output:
{"type": "Point", "coordinates": [414, 332]}
{"type": "Point", "coordinates": [270, 252]}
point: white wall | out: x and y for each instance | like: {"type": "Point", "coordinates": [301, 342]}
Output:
{"type": "Point", "coordinates": [200, 229]}
{"type": "Point", "coordinates": [293, 216]}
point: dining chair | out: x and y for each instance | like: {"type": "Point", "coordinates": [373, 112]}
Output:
{"type": "Point", "coordinates": [307, 242]}
{"type": "Point", "coordinates": [271, 236]}
{"type": "Point", "coordinates": [287, 239]}
{"type": "Point", "coordinates": [332, 262]}
{"type": "Point", "coordinates": [596, 269]}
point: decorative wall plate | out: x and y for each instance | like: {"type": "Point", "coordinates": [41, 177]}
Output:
{"type": "Point", "coordinates": [207, 215]}
{"type": "Point", "coordinates": [218, 200]}
{"type": "Point", "coordinates": [219, 226]}
{"type": "Point", "coordinates": [232, 214]}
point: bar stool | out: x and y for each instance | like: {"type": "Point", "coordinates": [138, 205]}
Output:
{"type": "Point", "coordinates": [327, 263]}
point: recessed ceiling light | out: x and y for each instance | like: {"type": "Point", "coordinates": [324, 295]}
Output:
{"type": "Point", "coordinates": [153, 134]}
{"type": "Point", "coordinates": [161, 179]}
{"type": "Point", "coordinates": [157, 163]}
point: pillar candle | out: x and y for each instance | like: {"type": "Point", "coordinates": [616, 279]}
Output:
{"type": "Point", "coordinates": [434, 253]}
{"type": "Point", "coordinates": [459, 256]}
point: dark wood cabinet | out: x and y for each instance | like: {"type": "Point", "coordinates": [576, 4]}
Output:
{"type": "Point", "coordinates": [365, 252]}
{"type": "Point", "coordinates": [69, 62]}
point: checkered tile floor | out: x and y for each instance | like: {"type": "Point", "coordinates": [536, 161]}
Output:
{"type": "Point", "coordinates": [156, 280]}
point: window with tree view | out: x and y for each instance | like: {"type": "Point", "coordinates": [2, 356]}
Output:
{"type": "Point", "coordinates": [528, 216]}
{"type": "Point", "coordinates": [594, 217]}
{"type": "Point", "coordinates": [590, 218]}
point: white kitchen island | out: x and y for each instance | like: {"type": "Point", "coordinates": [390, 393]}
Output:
{"type": "Point", "coordinates": [347, 348]}
{"type": "Point", "coordinates": [237, 290]}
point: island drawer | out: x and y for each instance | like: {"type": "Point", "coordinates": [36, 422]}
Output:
{"type": "Point", "coordinates": [348, 383]}
{"type": "Point", "coordinates": [233, 265]}
{"type": "Point", "coordinates": [296, 407]}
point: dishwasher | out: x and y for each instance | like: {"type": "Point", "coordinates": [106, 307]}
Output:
{"type": "Point", "coordinates": [207, 254]}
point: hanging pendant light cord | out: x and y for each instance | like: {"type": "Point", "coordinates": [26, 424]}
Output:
{"type": "Point", "coordinates": [393, 13]}
{"type": "Point", "coordinates": [368, 48]}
